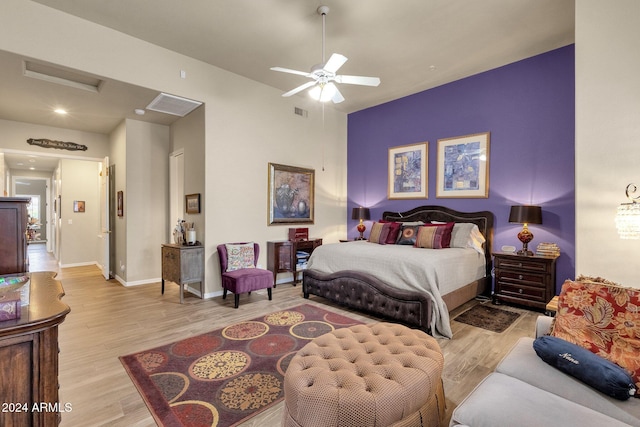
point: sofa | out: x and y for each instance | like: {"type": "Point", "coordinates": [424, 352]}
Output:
{"type": "Point", "coordinates": [527, 392]}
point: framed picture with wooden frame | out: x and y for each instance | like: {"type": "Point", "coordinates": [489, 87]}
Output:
{"type": "Point", "coordinates": [463, 166]}
{"type": "Point", "coordinates": [408, 171]}
{"type": "Point", "coordinates": [290, 195]}
{"type": "Point", "coordinates": [192, 203]}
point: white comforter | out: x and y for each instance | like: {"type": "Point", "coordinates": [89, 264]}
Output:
{"type": "Point", "coordinates": [433, 271]}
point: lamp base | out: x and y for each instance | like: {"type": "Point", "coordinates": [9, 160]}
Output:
{"type": "Point", "coordinates": [525, 236]}
{"type": "Point", "coordinates": [361, 228]}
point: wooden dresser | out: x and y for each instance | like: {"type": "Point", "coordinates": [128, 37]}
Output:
{"type": "Point", "coordinates": [29, 357]}
{"type": "Point", "coordinates": [13, 234]}
{"type": "Point", "coordinates": [183, 265]}
{"type": "Point", "coordinates": [525, 280]}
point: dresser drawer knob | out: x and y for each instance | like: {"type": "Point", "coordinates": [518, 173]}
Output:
{"type": "Point", "coordinates": [520, 277]}
{"type": "Point", "coordinates": [520, 290]}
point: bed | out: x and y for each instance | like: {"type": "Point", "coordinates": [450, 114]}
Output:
{"type": "Point", "coordinates": [377, 279]}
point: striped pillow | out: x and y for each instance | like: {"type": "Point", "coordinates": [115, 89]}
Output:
{"type": "Point", "coordinates": [379, 233]}
{"type": "Point", "coordinates": [434, 236]}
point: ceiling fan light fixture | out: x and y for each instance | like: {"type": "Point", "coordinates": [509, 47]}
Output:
{"type": "Point", "coordinates": [323, 93]}
{"type": "Point", "coordinates": [324, 74]}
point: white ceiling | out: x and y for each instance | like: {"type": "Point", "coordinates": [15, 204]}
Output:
{"type": "Point", "coordinates": [412, 45]}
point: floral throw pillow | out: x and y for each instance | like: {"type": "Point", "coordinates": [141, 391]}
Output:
{"type": "Point", "coordinates": [240, 256]}
{"type": "Point", "coordinates": [604, 319]}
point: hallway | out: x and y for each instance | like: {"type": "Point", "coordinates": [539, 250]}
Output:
{"type": "Point", "coordinates": [40, 259]}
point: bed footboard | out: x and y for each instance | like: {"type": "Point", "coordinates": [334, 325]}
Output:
{"type": "Point", "coordinates": [366, 293]}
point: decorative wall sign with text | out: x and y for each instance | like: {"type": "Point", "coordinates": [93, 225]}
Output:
{"type": "Point", "coordinates": [60, 145]}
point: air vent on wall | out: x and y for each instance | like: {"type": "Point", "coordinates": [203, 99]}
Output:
{"type": "Point", "coordinates": [171, 104]}
{"type": "Point", "coordinates": [300, 112]}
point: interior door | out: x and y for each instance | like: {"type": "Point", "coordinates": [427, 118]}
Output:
{"type": "Point", "coordinates": [104, 216]}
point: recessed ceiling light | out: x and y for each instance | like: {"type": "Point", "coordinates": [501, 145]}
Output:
{"type": "Point", "coordinates": [60, 111]}
{"type": "Point", "coordinates": [139, 111]}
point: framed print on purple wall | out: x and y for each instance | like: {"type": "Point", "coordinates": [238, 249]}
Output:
{"type": "Point", "coordinates": [408, 171]}
{"type": "Point", "coordinates": [463, 166]}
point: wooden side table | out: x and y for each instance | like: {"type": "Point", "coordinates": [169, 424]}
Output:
{"type": "Point", "coordinates": [282, 255]}
{"type": "Point", "coordinates": [183, 265]}
{"type": "Point", "coordinates": [29, 356]}
{"type": "Point", "coordinates": [524, 280]}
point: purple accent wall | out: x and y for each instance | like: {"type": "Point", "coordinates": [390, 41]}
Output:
{"type": "Point", "coordinates": [529, 109]}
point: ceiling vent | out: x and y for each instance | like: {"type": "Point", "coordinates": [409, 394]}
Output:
{"type": "Point", "coordinates": [170, 104]}
{"type": "Point", "coordinates": [66, 77]}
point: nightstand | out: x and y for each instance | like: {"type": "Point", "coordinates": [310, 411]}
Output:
{"type": "Point", "coordinates": [524, 280]}
{"type": "Point", "coordinates": [288, 256]}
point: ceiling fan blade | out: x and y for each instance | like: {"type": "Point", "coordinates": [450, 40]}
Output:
{"type": "Point", "coordinates": [337, 97]}
{"type": "Point", "coordinates": [334, 63]}
{"type": "Point", "coordinates": [290, 71]}
{"type": "Point", "coordinates": [358, 80]}
{"type": "Point", "coordinates": [299, 88]}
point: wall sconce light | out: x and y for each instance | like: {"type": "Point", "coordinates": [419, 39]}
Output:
{"type": "Point", "coordinates": [362, 214]}
{"type": "Point", "coordinates": [525, 215]}
{"type": "Point", "coordinates": [628, 216]}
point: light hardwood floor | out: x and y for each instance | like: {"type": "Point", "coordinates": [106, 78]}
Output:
{"type": "Point", "coordinates": [108, 320]}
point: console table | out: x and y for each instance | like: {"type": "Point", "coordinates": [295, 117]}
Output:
{"type": "Point", "coordinates": [29, 357]}
{"type": "Point", "coordinates": [183, 265]}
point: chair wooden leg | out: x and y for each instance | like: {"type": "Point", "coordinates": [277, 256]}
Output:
{"type": "Point", "coordinates": [224, 293]}
{"type": "Point", "coordinates": [269, 293]}
{"type": "Point", "coordinates": [236, 298]}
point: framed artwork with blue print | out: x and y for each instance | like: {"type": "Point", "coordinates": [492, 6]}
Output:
{"type": "Point", "coordinates": [463, 166]}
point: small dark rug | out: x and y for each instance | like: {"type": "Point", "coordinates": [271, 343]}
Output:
{"type": "Point", "coordinates": [223, 377]}
{"type": "Point", "coordinates": [487, 317]}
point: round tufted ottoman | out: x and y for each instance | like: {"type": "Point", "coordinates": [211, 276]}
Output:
{"type": "Point", "coordinates": [366, 375]}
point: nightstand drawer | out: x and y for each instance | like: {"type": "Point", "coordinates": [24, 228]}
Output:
{"type": "Point", "coordinates": [522, 291]}
{"type": "Point", "coordinates": [523, 264]}
{"type": "Point", "coordinates": [530, 279]}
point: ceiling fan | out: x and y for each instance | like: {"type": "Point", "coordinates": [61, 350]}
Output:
{"type": "Point", "coordinates": [324, 75]}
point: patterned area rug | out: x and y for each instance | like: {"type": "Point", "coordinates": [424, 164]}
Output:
{"type": "Point", "coordinates": [487, 317]}
{"type": "Point", "coordinates": [226, 376]}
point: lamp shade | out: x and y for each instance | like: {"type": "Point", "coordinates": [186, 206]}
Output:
{"type": "Point", "coordinates": [360, 213]}
{"type": "Point", "coordinates": [525, 214]}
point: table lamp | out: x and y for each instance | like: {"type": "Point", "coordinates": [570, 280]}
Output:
{"type": "Point", "coordinates": [362, 214]}
{"type": "Point", "coordinates": [525, 215]}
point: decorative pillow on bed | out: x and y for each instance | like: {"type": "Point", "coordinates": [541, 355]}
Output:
{"type": "Point", "coordinates": [466, 235]}
{"type": "Point", "coordinates": [408, 235]}
{"type": "Point", "coordinates": [394, 231]}
{"type": "Point", "coordinates": [591, 369]}
{"type": "Point", "coordinates": [434, 236]}
{"type": "Point", "coordinates": [380, 232]}
{"type": "Point", "coordinates": [603, 319]}
{"type": "Point", "coordinates": [240, 256]}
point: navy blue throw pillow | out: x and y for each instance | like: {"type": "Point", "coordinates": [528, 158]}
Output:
{"type": "Point", "coordinates": [599, 373]}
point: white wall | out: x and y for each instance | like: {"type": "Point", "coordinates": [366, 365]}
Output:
{"type": "Point", "coordinates": [188, 134]}
{"type": "Point", "coordinates": [15, 135]}
{"type": "Point", "coordinates": [607, 134]}
{"type": "Point", "coordinates": [247, 124]}
{"type": "Point", "coordinates": [147, 199]}
{"type": "Point", "coordinates": [80, 231]}
{"type": "Point", "coordinates": [118, 157]}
